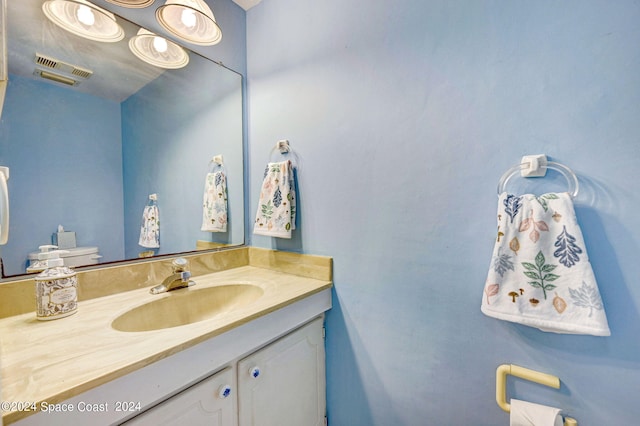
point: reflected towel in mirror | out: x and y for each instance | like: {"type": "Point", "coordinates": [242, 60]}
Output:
{"type": "Point", "coordinates": [214, 204]}
{"type": "Point", "coordinates": [150, 228]}
{"type": "Point", "coordinates": [276, 215]}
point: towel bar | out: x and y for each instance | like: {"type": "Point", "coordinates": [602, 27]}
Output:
{"type": "Point", "coordinates": [524, 373]}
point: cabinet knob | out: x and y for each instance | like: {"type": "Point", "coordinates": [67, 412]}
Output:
{"type": "Point", "coordinates": [224, 391]}
{"type": "Point", "coordinates": [254, 372]}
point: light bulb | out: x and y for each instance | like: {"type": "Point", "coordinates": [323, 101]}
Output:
{"type": "Point", "coordinates": [188, 18]}
{"type": "Point", "coordinates": [85, 15]}
{"type": "Point", "coordinates": [160, 44]}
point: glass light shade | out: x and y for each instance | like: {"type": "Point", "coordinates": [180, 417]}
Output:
{"type": "Point", "coordinates": [85, 15]}
{"type": "Point", "coordinates": [134, 4]}
{"type": "Point", "coordinates": [158, 51]}
{"type": "Point", "coordinates": [84, 19]}
{"type": "Point", "coordinates": [160, 44]}
{"type": "Point", "coordinates": [190, 20]}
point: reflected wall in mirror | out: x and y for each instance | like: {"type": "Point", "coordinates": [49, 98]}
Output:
{"type": "Point", "coordinates": [87, 157]}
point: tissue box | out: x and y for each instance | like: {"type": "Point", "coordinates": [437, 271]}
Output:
{"type": "Point", "coordinates": [64, 240]}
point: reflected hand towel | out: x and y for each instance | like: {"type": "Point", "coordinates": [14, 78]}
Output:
{"type": "Point", "coordinates": [214, 204]}
{"type": "Point", "coordinates": [276, 214]}
{"type": "Point", "coordinates": [150, 228]}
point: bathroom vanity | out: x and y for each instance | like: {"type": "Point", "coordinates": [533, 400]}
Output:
{"type": "Point", "coordinates": [286, 376]}
{"type": "Point", "coordinates": [255, 357]}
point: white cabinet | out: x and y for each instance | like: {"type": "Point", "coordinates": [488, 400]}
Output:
{"type": "Point", "coordinates": [284, 383]}
{"type": "Point", "coordinates": [210, 402]}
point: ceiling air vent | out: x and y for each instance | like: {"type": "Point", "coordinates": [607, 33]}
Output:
{"type": "Point", "coordinates": [55, 64]}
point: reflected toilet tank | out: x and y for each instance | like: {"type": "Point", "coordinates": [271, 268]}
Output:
{"type": "Point", "coordinates": [77, 256]}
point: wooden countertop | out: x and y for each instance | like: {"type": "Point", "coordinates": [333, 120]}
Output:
{"type": "Point", "coordinates": [54, 360]}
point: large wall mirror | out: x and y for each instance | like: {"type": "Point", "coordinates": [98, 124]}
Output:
{"type": "Point", "coordinates": [87, 153]}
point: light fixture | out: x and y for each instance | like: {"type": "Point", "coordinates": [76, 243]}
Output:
{"type": "Point", "coordinates": [134, 4]}
{"type": "Point", "coordinates": [84, 19]}
{"type": "Point", "coordinates": [158, 51]}
{"type": "Point", "coordinates": [58, 78]}
{"type": "Point", "coordinates": [190, 20]}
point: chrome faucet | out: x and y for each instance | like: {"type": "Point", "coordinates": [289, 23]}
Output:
{"type": "Point", "coordinates": [178, 279]}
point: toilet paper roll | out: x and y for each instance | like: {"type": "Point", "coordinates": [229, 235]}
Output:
{"type": "Point", "coordinates": [525, 413]}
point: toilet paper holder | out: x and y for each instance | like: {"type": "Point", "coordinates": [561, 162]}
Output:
{"type": "Point", "coordinates": [524, 373]}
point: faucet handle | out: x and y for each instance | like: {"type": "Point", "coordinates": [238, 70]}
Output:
{"type": "Point", "coordinates": [180, 264]}
{"type": "Point", "coordinates": [185, 275]}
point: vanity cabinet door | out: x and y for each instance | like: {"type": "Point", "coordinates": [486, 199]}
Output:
{"type": "Point", "coordinates": [284, 383]}
{"type": "Point", "coordinates": [209, 402]}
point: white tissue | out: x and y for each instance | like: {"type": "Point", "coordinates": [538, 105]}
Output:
{"type": "Point", "coordinates": [525, 413]}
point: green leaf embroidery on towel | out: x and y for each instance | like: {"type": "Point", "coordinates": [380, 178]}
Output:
{"type": "Point", "coordinates": [543, 200]}
{"type": "Point", "coordinates": [267, 210]}
{"type": "Point", "coordinates": [586, 297]}
{"type": "Point", "coordinates": [541, 273]}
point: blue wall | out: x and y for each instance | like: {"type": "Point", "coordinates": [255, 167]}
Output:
{"type": "Point", "coordinates": [405, 114]}
{"type": "Point", "coordinates": [171, 130]}
{"type": "Point", "coordinates": [64, 152]}
{"type": "Point", "coordinates": [205, 135]}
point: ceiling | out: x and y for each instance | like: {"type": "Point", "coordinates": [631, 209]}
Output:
{"type": "Point", "coordinates": [246, 4]}
{"type": "Point", "coordinates": [117, 73]}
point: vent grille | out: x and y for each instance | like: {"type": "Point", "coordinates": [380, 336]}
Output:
{"type": "Point", "coordinates": [46, 62]}
{"type": "Point", "coordinates": [55, 64]}
{"type": "Point", "coordinates": [79, 72]}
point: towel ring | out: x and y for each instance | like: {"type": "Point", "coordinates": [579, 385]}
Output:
{"type": "Point", "coordinates": [565, 171]}
{"type": "Point", "coordinates": [283, 149]}
{"type": "Point", "coordinates": [282, 146]}
{"type": "Point", "coordinates": [215, 163]}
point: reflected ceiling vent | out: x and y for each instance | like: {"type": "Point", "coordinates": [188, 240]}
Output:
{"type": "Point", "coordinates": [55, 64]}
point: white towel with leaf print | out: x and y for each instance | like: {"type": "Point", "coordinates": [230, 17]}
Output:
{"type": "Point", "coordinates": [214, 203]}
{"type": "Point", "coordinates": [276, 214]}
{"type": "Point", "coordinates": [540, 273]}
{"type": "Point", "coordinates": [150, 228]}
